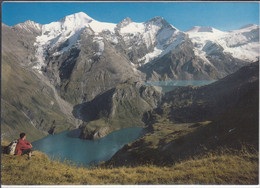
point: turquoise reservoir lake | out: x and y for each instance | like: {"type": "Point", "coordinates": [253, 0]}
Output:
{"type": "Point", "coordinates": [173, 84]}
{"type": "Point", "coordinates": [67, 145]}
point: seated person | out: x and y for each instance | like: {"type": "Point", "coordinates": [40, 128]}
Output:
{"type": "Point", "coordinates": [23, 146]}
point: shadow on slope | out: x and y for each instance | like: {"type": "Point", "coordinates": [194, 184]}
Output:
{"type": "Point", "coordinates": [231, 120]}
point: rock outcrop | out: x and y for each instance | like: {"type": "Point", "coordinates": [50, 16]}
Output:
{"type": "Point", "coordinates": [117, 108]}
{"type": "Point", "coordinates": [192, 121]}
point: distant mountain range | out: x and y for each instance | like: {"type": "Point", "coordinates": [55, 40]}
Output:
{"type": "Point", "coordinates": [71, 62]}
{"type": "Point", "coordinates": [149, 43]}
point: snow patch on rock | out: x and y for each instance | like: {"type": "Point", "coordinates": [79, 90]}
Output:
{"type": "Point", "coordinates": [242, 44]}
{"type": "Point", "coordinates": [61, 36]}
{"type": "Point", "coordinates": [101, 45]}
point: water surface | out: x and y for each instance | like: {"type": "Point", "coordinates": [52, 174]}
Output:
{"type": "Point", "coordinates": [173, 84]}
{"type": "Point", "coordinates": [66, 145]}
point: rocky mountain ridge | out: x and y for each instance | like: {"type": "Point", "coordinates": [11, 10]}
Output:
{"type": "Point", "coordinates": [148, 43]}
{"type": "Point", "coordinates": [195, 120]}
{"type": "Point", "coordinates": [120, 107]}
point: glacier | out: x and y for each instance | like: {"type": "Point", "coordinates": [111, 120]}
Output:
{"type": "Point", "coordinates": [238, 43]}
{"type": "Point", "coordinates": [156, 34]}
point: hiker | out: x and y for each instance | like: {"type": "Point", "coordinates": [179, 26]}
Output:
{"type": "Point", "coordinates": [23, 146]}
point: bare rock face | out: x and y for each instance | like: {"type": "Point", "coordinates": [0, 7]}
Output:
{"type": "Point", "coordinates": [117, 108]}
{"type": "Point", "coordinates": [81, 74]}
{"type": "Point", "coordinates": [182, 64]}
{"type": "Point", "coordinates": [189, 104]}
{"type": "Point", "coordinates": [195, 120]}
{"type": "Point", "coordinates": [19, 43]}
{"type": "Point", "coordinates": [97, 73]}
{"type": "Point", "coordinates": [94, 135]}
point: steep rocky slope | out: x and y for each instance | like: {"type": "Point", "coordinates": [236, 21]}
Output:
{"type": "Point", "coordinates": [18, 42]}
{"type": "Point", "coordinates": [120, 107]}
{"type": "Point", "coordinates": [195, 120]}
{"type": "Point", "coordinates": [156, 48]}
{"type": "Point", "coordinates": [90, 75]}
{"type": "Point", "coordinates": [180, 64]}
{"type": "Point", "coordinates": [200, 103]}
{"type": "Point", "coordinates": [29, 102]}
{"type": "Point", "coordinates": [28, 105]}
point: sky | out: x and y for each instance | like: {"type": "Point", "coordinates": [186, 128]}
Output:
{"type": "Point", "coordinates": [223, 16]}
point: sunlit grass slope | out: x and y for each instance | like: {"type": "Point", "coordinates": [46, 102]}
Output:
{"type": "Point", "coordinates": [225, 168]}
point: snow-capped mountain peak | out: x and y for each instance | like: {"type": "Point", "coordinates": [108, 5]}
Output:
{"type": "Point", "coordinates": [156, 34]}
{"type": "Point", "coordinates": [147, 40]}
{"type": "Point", "coordinates": [156, 20]}
{"type": "Point", "coordinates": [32, 24]}
{"type": "Point", "coordinates": [242, 44]}
{"type": "Point", "coordinates": [76, 20]}
{"type": "Point", "coordinates": [29, 26]}
{"type": "Point", "coordinates": [124, 22]}
{"type": "Point", "coordinates": [69, 23]}
{"type": "Point", "coordinates": [67, 30]}
{"type": "Point", "coordinates": [249, 26]}
{"type": "Point", "coordinates": [159, 21]}
{"type": "Point", "coordinates": [200, 30]}
{"type": "Point", "coordinates": [78, 16]}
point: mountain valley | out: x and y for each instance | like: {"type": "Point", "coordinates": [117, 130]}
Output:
{"type": "Point", "coordinates": [79, 73]}
{"type": "Point", "coordinates": [74, 84]}
{"type": "Point", "coordinates": [195, 120]}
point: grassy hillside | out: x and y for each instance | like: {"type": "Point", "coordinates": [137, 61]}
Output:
{"type": "Point", "coordinates": [29, 102]}
{"type": "Point", "coordinates": [169, 141]}
{"type": "Point", "coordinates": [28, 105]}
{"type": "Point", "coordinates": [201, 129]}
{"type": "Point", "coordinates": [224, 168]}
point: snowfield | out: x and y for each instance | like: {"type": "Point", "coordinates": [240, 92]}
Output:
{"type": "Point", "coordinates": [242, 44]}
{"type": "Point", "coordinates": [156, 34]}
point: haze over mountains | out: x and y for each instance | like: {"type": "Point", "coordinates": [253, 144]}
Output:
{"type": "Point", "coordinates": [64, 66]}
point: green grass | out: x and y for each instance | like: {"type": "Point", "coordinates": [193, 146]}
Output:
{"type": "Point", "coordinates": [225, 168]}
{"type": "Point", "coordinates": [169, 141]}
{"type": "Point", "coordinates": [27, 104]}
